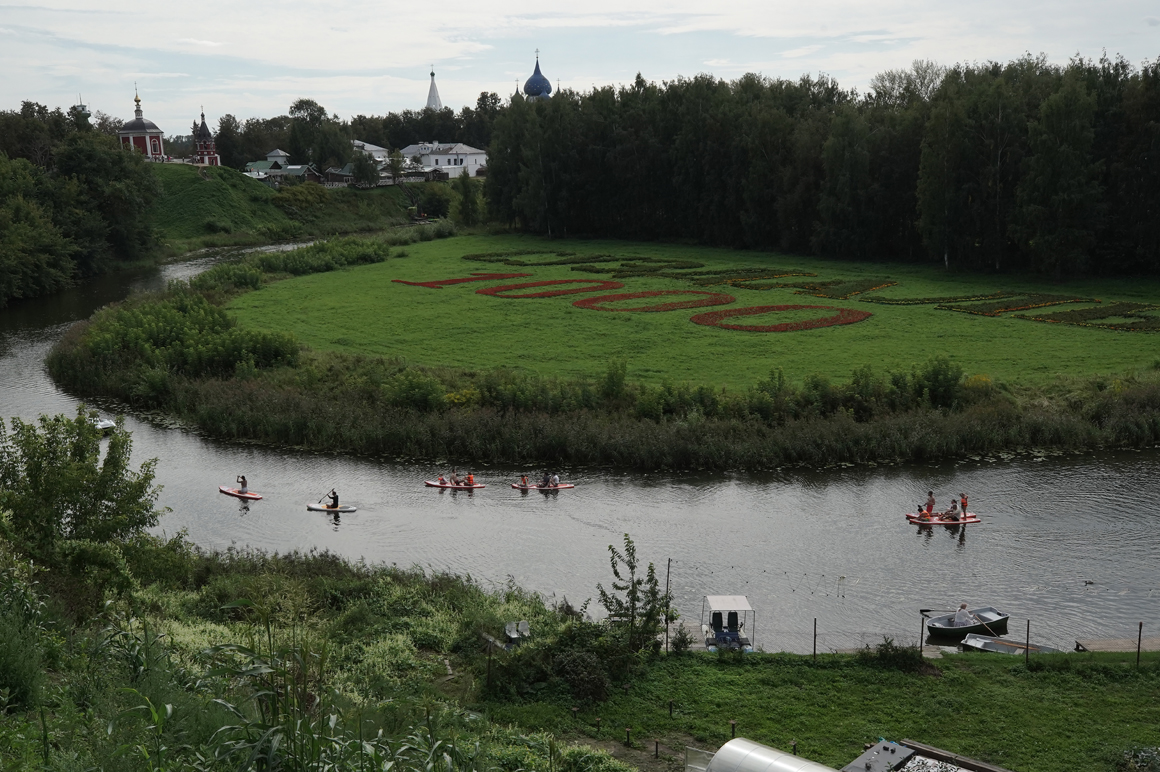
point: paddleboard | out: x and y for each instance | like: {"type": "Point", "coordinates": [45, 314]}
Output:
{"type": "Point", "coordinates": [437, 484]}
{"type": "Point", "coordinates": [936, 519]}
{"type": "Point", "coordinates": [248, 496]}
{"type": "Point", "coordinates": [341, 509]}
{"type": "Point", "coordinates": [560, 487]}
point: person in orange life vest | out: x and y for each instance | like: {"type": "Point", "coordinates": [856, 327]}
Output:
{"type": "Point", "coordinates": [963, 501]}
{"type": "Point", "coordinates": [524, 481]}
{"type": "Point", "coordinates": [929, 502]}
{"type": "Point", "coordinates": [470, 478]}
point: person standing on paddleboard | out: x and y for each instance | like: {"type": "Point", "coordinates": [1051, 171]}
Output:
{"type": "Point", "coordinates": [929, 502]}
{"type": "Point", "coordinates": [963, 501]}
{"type": "Point", "coordinates": [241, 480]}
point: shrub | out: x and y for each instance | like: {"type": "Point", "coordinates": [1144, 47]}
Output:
{"type": "Point", "coordinates": [584, 674]}
{"type": "Point", "coordinates": [21, 672]}
{"type": "Point", "coordinates": [414, 389]}
{"type": "Point", "coordinates": [890, 656]}
{"type": "Point", "coordinates": [682, 640]}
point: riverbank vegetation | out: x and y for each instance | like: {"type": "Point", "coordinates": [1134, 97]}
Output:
{"type": "Point", "coordinates": [135, 652]}
{"type": "Point", "coordinates": [183, 352]}
{"type": "Point", "coordinates": [75, 205]}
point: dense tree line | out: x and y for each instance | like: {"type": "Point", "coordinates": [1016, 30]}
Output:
{"type": "Point", "coordinates": [71, 201]}
{"type": "Point", "coordinates": [309, 135]}
{"type": "Point", "coordinates": [1018, 166]}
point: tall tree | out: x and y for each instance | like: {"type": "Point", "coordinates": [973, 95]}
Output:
{"type": "Point", "coordinates": [1059, 196]}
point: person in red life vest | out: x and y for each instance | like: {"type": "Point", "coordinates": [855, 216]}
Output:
{"type": "Point", "coordinates": [929, 502]}
{"type": "Point", "coordinates": [524, 481]}
{"type": "Point", "coordinates": [963, 501]}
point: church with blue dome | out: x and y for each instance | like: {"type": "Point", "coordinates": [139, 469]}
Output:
{"type": "Point", "coordinates": [537, 86]}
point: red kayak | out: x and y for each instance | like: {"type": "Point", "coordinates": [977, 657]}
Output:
{"type": "Point", "coordinates": [248, 496]}
{"type": "Point", "coordinates": [544, 488]}
{"type": "Point", "coordinates": [937, 519]}
{"type": "Point", "coordinates": [460, 487]}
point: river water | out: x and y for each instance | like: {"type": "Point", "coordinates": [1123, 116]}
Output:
{"type": "Point", "coordinates": [1068, 542]}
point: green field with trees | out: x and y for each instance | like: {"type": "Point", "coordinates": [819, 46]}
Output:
{"type": "Point", "coordinates": [357, 388]}
{"type": "Point", "coordinates": [123, 650]}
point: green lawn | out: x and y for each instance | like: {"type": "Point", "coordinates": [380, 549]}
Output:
{"type": "Point", "coordinates": [363, 310]}
{"type": "Point", "coordinates": [990, 707]}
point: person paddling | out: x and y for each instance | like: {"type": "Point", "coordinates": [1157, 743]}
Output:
{"type": "Point", "coordinates": [333, 498]}
{"type": "Point", "coordinates": [964, 617]}
{"type": "Point", "coordinates": [242, 484]}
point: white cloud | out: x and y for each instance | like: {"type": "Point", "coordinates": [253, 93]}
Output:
{"type": "Point", "coordinates": [254, 58]}
{"type": "Point", "coordinates": [795, 53]}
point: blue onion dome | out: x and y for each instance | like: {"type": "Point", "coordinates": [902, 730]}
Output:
{"type": "Point", "coordinates": [538, 87]}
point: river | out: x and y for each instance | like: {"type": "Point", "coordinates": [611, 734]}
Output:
{"type": "Point", "coordinates": [1066, 541]}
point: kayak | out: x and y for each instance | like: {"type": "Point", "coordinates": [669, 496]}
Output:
{"type": "Point", "coordinates": [342, 509]}
{"type": "Point", "coordinates": [937, 519]}
{"type": "Point", "coordinates": [544, 488]}
{"type": "Point", "coordinates": [248, 495]}
{"type": "Point", "coordinates": [460, 487]}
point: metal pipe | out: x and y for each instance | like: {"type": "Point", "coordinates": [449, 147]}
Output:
{"type": "Point", "coordinates": [1139, 641]}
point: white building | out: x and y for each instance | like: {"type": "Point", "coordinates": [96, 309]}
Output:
{"type": "Point", "coordinates": [449, 158]}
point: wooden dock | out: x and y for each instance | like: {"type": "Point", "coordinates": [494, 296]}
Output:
{"type": "Point", "coordinates": [1148, 643]}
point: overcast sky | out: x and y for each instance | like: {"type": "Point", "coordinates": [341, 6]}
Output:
{"type": "Point", "coordinates": [254, 57]}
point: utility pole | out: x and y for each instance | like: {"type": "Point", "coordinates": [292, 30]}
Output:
{"type": "Point", "coordinates": [668, 603]}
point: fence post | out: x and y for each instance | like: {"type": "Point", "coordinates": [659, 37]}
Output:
{"type": "Point", "coordinates": [815, 639]}
{"type": "Point", "coordinates": [1139, 642]}
{"type": "Point", "coordinates": [732, 727]}
{"type": "Point", "coordinates": [1027, 651]}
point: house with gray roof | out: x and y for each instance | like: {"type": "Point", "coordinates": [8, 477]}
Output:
{"type": "Point", "coordinates": [448, 158]}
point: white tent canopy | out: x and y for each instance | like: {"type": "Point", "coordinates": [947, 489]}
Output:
{"type": "Point", "coordinates": [728, 603]}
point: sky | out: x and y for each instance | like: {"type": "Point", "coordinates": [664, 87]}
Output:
{"type": "Point", "coordinates": [255, 57]}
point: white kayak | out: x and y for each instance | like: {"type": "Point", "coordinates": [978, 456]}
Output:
{"type": "Point", "coordinates": [341, 509]}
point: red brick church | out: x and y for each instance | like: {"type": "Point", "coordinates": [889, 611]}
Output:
{"type": "Point", "coordinates": [204, 149]}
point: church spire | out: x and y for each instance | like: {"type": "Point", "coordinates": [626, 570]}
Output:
{"type": "Point", "coordinates": [433, 101]}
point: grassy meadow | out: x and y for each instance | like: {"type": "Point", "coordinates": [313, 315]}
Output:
{"type": "Point", "coordinates": [227, 208]}
{"type": "Point", "coordinates": [363, 310]}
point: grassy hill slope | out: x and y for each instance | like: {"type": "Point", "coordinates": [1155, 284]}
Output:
{"type": "Point", "coordinates": [223, 207]}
